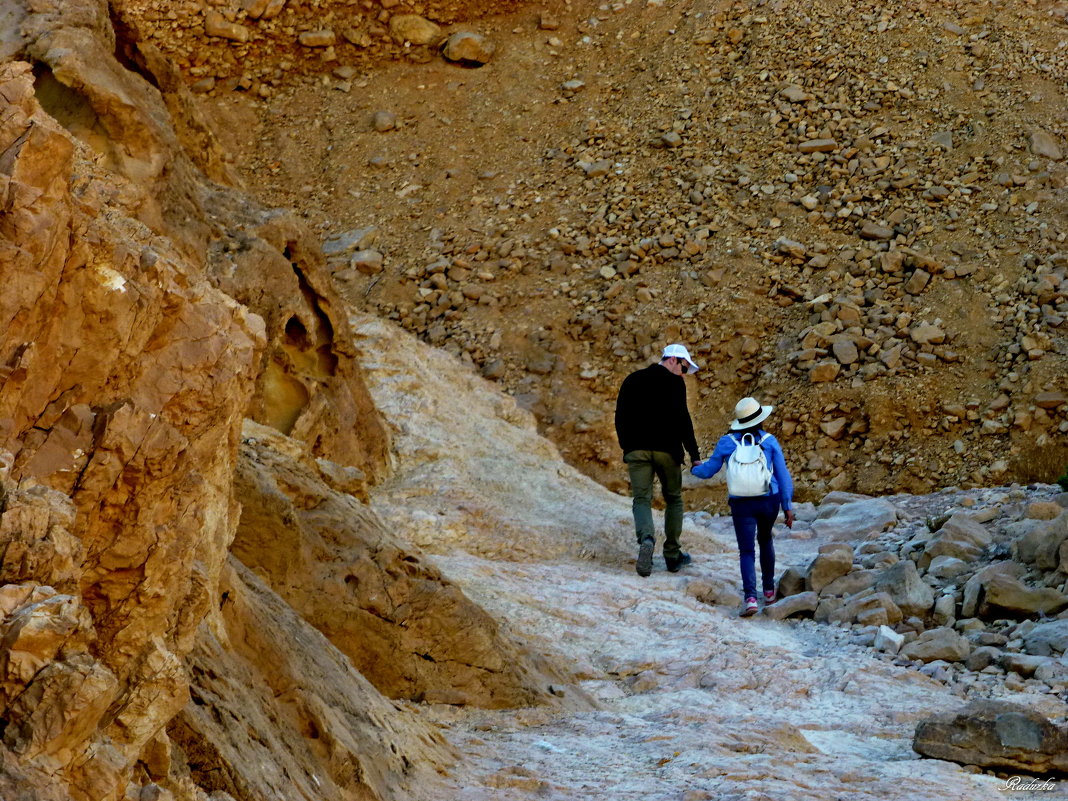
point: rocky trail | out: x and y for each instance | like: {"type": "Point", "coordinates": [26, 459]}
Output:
{"type": "Point", "coordinates": [698, 704]}
{"type": "Point", "coordinates": [689, 701]}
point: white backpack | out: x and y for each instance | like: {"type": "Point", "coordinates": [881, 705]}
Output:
{"type": "Point", "coordinates": [748, 474]}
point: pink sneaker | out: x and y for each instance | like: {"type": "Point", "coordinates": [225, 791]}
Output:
{"type": "Point", "coordinates": [769, 597]}
{"type": "Point", "coordinates": [750, 607]}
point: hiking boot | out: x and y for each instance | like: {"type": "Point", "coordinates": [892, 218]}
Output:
{"type": "Point", "coordinates": [769, 597]}
{"type": "Point", "coordinates": [644, 565]}
{"type": "Point", "coordinates": [675, 564]}
{"type": "Point", "coordinates": [750, 607]}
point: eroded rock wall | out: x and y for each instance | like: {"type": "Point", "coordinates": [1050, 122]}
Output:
{"type": "Point", "coordinates": [147, 310]}
{"type": "Point", "coordinates": [125, 378]}
{"type": "Point", "coordinates": [299, 724]}
{"type": "Point", "coordinates": [170, 174]}
{"type": "Point", "coordinates": [405, 627]}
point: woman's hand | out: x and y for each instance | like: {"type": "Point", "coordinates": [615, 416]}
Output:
{"type": "Point", "coordinates": [789, 518]}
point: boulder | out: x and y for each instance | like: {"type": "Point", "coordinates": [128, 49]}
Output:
{"type": "Point", "coordinates": [1043, 510]}
{"type": "Point", "coordinates": [368, 262]}
{"type": "Point", "coordinates": [1054, 671]}
{"type": "Point", "coordinates": [383, 121]}
{"type": "Point", "coordinates": [1024, 664]}
{"type": "Point", "coordinates": [1047, 639]}
{"type": "Point", "coordinates": [1007, 596]}
{"type": "Point", "coordinates": [941, 643]}
{"type": "Point", "coordinates": [851, 583]}
{"type": "Point", "coordinates": [828, 605]}
{"type": "Point", "coordinates": [413, 28]}
{"type": "Point", "coordinates": [1041, 546]}
{"type": "Point", "coordinates": [945, 610]}
{"type": "Point", "coordinates": [792, 582]}
{"type": "Point", "coordinates": [983, 657]}
{"type": "Point", "coordinates": [973, 590]}
{"type": "Point", "coordinates": [903, 584]}
{"type": "Point", "coordinates": [868, 608]}
{"type": "Point", "coordinates": [714, 592]}
{"type": "Point", "coordinates": [857, 520]}
{"type": "Point", "coordinates": [824, 371]}
{"type": "Point", "coordinates": [215, 24]}
{"type": "Point", "coordinates": [994, 734]}
{"type": "Point", "coordinates": [324, 37]}
{"type": "Point", "coordinates": [1044, 144]}
{"type": "Point", "coordinates": [832, 562]}
{"type": "Point", "coordinates": [960, 536]}
{"type": "Point", "coordinates": [469, 48]}
{"type": "Point", "coordinates": [947, 567]}
{"type": "Point", "coordinates": [348, 241]}
{"type": "Point", "coordinates": [262, 9]}
{"type": "Point", "coordinates": [792, 605]}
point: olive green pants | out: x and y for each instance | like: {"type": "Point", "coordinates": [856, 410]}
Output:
{"type": "Point", "coordinates": [643, 465]}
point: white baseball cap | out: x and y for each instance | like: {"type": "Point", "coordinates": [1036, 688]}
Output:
{"type": "Point", "coordinates": [679, 352]}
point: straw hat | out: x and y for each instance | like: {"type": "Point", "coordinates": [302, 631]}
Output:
{"type": "Point", "coordinates": [748, 412]}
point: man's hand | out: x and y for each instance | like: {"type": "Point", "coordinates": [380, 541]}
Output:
{"type": "Point", "coordinates": [789, 518]}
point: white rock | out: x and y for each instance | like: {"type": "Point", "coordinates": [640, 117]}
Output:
{"type": "Point", "coordinates": [1043, 144]}
{"type": "Point", "coordinates": [888, 640]}
{"type": "Point", "coordinates": [857, 520]}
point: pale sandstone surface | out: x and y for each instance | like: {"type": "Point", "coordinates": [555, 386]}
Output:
{"type": "Point", "coordinates": [476, 475]}
{"type": "Point", "coordinates": [694, 699]}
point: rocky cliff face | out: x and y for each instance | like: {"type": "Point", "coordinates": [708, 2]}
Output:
{"type": "Point", "coordinates": [159, 153]}
{"type": "Point", "coordinates": [199, 606]}
{"type": "Point", "coordinates": [147, 310]}
{"type": "Point", "coordinates": [405, 627]}
{"type": "Point", "coordinates": [120, 458]}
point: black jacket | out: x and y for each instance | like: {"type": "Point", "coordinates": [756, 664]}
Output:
{"type": "Point", "coordinates": [651, 414]}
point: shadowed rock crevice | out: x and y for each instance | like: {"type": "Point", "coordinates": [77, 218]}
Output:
{"type": "Point", "coordinates": [127, 48]}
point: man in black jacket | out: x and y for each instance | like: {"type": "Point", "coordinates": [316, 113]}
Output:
{"type": "Point", "coordinates": [653, 426]}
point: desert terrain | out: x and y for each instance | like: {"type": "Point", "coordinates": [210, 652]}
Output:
{"type": "Point", "coordinates": [315, 314]}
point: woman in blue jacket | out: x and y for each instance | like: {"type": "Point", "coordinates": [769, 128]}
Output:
{"type": "Point", "coordinates": [754, 514]}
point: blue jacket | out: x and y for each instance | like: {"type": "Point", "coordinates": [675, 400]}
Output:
{"type": "Point", "coordinates": [781, 483]}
